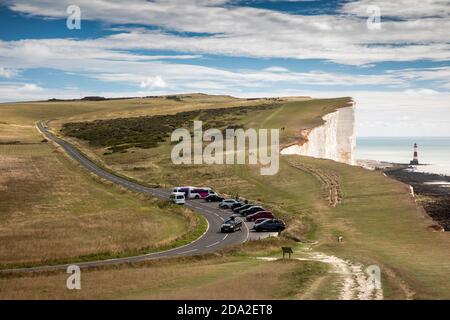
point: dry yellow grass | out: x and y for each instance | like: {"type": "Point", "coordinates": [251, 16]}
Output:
{"type": "Point", "coordinates": [379, 221]}
{"type": "Point", "coordinates": [213, 278]}
{"type": "Point", "coordinates": [51, 210]}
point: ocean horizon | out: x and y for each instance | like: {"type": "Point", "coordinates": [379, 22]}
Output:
{"type": "Point", "coordinates": [432, 151]}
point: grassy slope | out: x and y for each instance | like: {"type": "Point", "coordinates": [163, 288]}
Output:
{"type": "Point", "coordinates": [211, 278]}
{"type": "Point", "coordinates": [51, 210]}
{"type": "Point", "coordinates": [379, 221]}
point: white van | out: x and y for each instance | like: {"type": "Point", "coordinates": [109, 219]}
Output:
{"type": "Point", "coordinates": [184, 190]}
{"type": "Point", "coordinates": [178, 198]}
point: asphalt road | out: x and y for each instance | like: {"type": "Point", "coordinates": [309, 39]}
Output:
{"type": "Point", "coordinates": [211, 240]}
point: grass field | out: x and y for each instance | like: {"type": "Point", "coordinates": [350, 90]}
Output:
{"type": "Point", "coordinates": [51, 210]}
{"type": "Point", "coordinates": [378, 219]}
{"type": "Point", "coordinates": [211, 278]}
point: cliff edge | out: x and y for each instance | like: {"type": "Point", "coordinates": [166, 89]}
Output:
{"type": "Point", "coordinates": [335, 139]}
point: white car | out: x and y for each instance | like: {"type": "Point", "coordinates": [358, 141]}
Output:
{"type": "Point", "coordinates": [227, 203]}
{"type": "Point", "coordinates": [178, 198]}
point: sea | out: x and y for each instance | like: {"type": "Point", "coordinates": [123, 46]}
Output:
{"type": "Point", "coordinates": [433, 152]}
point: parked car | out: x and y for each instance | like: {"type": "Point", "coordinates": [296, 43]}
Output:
{"type": "Point", "coordinates": [231, 225]}
{"type": "Point", "coordinates": [251, 210]}
{"type": "Point", "coordinates": [237, 204]}
{"type": "Point", "coordinates": [260, 214]}
{"type": "Point", "coordinates": [200, 193]}
{"type": "Point", "coordinates": [227, 203]}
{"type": "Point", "coordinates": [178, 198]}
{"type": "Point", "coordinates": [214, 198]}
{"type": "Point", "coordinates": [243, 207]}
{"type": "Point", "coordinates": [270, 225]}
{"type": "Point", "coordinates": [259, 220]}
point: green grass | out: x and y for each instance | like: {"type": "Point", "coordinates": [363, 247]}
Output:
{"type": "Point", "coordinates": [148, 131]}
{"type": "Point", "coordinates": [379, 221]}
{"type": "Point", "coordinates": [52, 211]}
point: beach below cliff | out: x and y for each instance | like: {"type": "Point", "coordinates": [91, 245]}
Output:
{"type": "Point", "coordinates": [432, 191]}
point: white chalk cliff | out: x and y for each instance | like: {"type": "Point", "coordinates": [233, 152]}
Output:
{"type": "Point", "coordinates": [335, 139]}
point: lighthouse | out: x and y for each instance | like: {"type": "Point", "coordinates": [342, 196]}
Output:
{"type": "Point", "coordinates": [415, 159]}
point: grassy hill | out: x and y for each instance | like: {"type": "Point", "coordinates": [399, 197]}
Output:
{"type": "Point", "coordinates": [378, 219]}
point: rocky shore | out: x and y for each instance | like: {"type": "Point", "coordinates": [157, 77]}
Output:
{"type": "Point", "coordinates": [432, 191]}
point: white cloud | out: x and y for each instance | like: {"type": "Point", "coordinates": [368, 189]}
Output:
{"type": "Point", "coordinates": [7, 72]}
{"type": "Point", "coordinates": [153, 82]}
{"type": "Point", "coordinates": [26, 92]}
{"type": "Point", "coordinates": [259, 32]}
{"type": "Point", "coordinates": [401, 8]}
{"type": "Point", "coordinates": [98, 59]}
{"type": "Point", "coordinates": [276, 69]}
{"type": "Point", "coordinates": [381, 113]}
{"type": "Point", "coordinates": [421, 33]}
{"type": "Point", "coordinates": [440, 74]}
{"type": "Point", "coordinates": [30, 88]}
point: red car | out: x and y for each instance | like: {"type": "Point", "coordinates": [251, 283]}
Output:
{"type": "Point", "coordinates": [259, 215]}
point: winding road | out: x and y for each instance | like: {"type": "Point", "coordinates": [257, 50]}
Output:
{"type": "Point", "coordinates": [210, 241]}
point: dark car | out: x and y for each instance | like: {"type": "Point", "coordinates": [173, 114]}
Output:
{"type": "Point", "coordinates": [214, 198]}
{"type": "Point", "coordinates": [237, 204]}
{"type": "Point", "coordinates": [231, 225]}
{"type": "Point", "coordinates": [259, 215]}
{"type": "Point", "coordinates": [251, 210]}
{"type": "Point", "coordinates": [259, 220]}
{"type": "Point", "coordinates": [270, 225]}
{"type": "Point", "coordinates": [242, 207]}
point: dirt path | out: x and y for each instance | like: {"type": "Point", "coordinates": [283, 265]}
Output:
{"type": "Point", "coordinates": [328, 179]}
{"type": "Point", "coordinates": [354, 281]}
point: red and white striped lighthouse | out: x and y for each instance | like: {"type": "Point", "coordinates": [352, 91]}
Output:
{"type": "Point", "coordinates": [415, 159]}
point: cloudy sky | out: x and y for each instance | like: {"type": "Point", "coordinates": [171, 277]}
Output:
{"type": "Point", "coordinates": [398, 70]}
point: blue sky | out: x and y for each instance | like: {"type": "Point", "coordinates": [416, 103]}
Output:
{"type": "Point", "coordinates": [398, 70]}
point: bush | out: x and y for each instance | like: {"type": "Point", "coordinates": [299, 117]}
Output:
{"type": "Point", "coordinates": [146, 132]}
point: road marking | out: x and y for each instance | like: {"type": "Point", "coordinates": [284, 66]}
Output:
{"type": "Point", "coordinates": [187, 251]}
{"type": "Point", "coordinates": [248, 232]}
{"type": "Point", "coordinates": [213, 244]}
{"type": "Point", "coordinates": [93, 168]}
{"type": "Point", "coordinates": [225, 237]}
